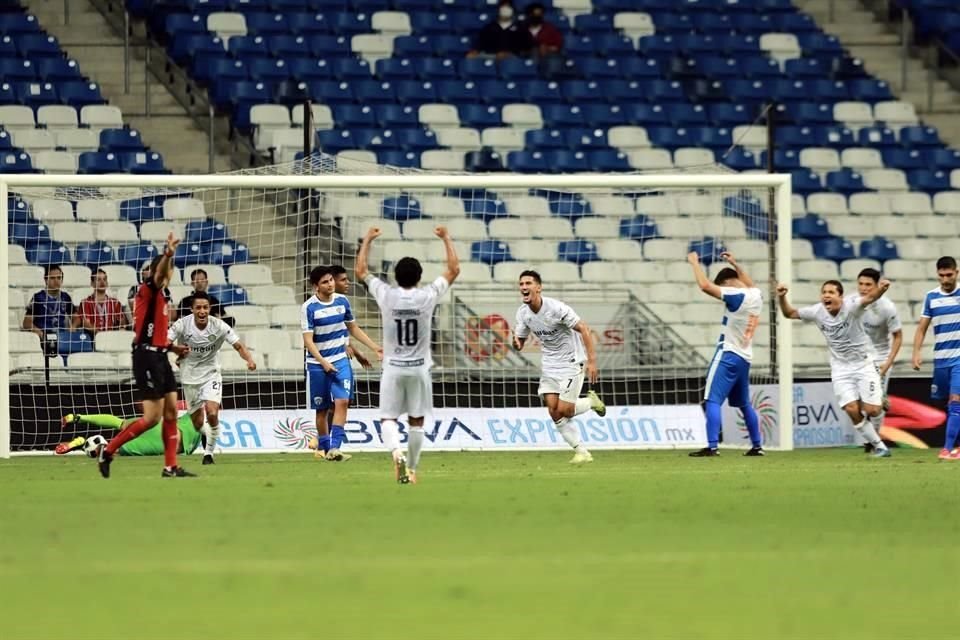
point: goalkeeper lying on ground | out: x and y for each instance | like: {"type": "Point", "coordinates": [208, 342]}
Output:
{"type": "Point", "coordinates": [148, 443]}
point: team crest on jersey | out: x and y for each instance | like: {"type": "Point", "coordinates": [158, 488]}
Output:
{"type": "Point", "coordinates": [933, 389]}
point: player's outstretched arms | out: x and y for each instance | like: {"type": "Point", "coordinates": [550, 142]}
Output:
{"type": "Point", "coordinates": [593, 373]}
{"type": "Point", "coordinates": [785, 307]}
{"type": "Point", "coordinates": [165, 267]}
{"type": "Point", "coordinates": [743, 275]}
{"type": "Point", "coordinates": [453, 261]}
{"type": "Point", "coordinates": [361, 269]}
{"type": "Point", "coordinates": [917, 359]}
{"type": "Point", "coordinates": [241, 348]}
{"type": "Point", "coordinates": [701, 277]}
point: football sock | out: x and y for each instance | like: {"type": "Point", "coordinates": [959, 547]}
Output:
{"type": "Point", "coordinates": [953, 425]}
{"type": "Point", "coordinates": [714, 420]}
{"type": "Point", "coordinates": [171, 438]}
{"type": "Point", "coordinates": [877, 422]}
{"type": "Point", "coordinates": [569, 432]}
{"type": "Point", "coordinates": [753, 425]}
{"type": "Point", "coordinates": [582, 405]}
{"type": "Point", "coordinates": [323, 443]}
{"type": "Point", "coordinates": [213, 432]}
{"type": "Point", "coordinates": [128, 433]}
{"type": "Point", "coordinates": [414, 446]}
{"type": "Point", "coordinates": [870, 434]}
{"type": "Point", "coordinates": [390, 434]}
{"type": "Point", "coordinates": [104, 420]}
{"type": "Point", "coordinates": [337, 436]}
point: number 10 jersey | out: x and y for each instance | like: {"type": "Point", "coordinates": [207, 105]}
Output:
{"type": "Point", "coordinates": [407, 317]}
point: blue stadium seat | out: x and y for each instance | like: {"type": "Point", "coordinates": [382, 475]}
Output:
{"type": "Point", "coordinates": [306, 24]}
{"type": "Point", "coordinates": [350, 116]}
{"type": "Point", "coordinates": [818, 43]}
{"type": "Point", "coordinates": [545, 139]}
{"type": "Point", "coordinates": [266, 24]}
{"type": "Point", "coordinates": [593, 23]}
{"type": "Point", "coordinates": [541, 92]}
{"type": "Point", "coordinates": [18, 211]}
{"type": "Point", "coordinates": [350, 69]}
{"type": "Point", "coordinates": [740, 159]}
{"type": "Point", "coordinates": [869, 90]}
{"type": "Point", "coordinates": [608, 161]}
{"type": "Point", "coordinates": [28, 234]}
{"type": "Point", "coordinates": [556, 116]}
{"type": "Point", "coordinates": [836, 249]}
{"type": "Point", "coordinates": [586, 139]}
{"type": "Point", "coordinates": [661, 91]}
{"type": "Point", "coordinates": [229, 295]}
{"type": "Point", "coordinates": [80, 94]}
{"type": "Point", "coordinates": [430, 23]}
{"type": "Point", "coordinates": [180, 23]}
{"type": "Point", "coordinates": [929, 181]}
{"type": "Point", "coordinates": [142, 162]}
{"type": "Point", "coordinates": [739, 45]}
{"type": "Point", "coordinates": [490, 252]}
{"type": "Point", "coordinates": [605, 116]}
{"type": "Point", "coordinates": [450, 46]}
{"type": "Point", "coordinates": [189, 254]}
{"type": "Point", "coordinates": [15, 69]}
{"type": "Point", "coordinates": [576, 92]}
{"type": "Point", "coordinates": [483, 161]}
{"type": "Point", "coordinates": [669, 137]}
{"type": "Point", "coordinates": [720, 68]}
{"type": "Point", "coordinates": [754, 22]}
{"type": "Point", "coordinates": [565, 161]}
{"type": "Point", "coordinates": [376, 139]}
{"type": "Point", "coordinates": [136, 253]}
{"type": "Point", "coordinates": [919, 136]}
{"type": "Point", "coordinates": [518, 69]}
{"type": "Point", "coordinates": [811, 227]}
{"type": "Point", "coordinates": [646, 115]}
{"type": "Point", "coordinates": [227, 252]}
{"type": "Point", "coordinates": [459, 92]}
{"type": "Point", "coordinates": [478, 69]}
{"type": "Point", "coordinates": [95, 254]}
{"type": "Point", "coordinates": [395, 116]}
{"type": "Point", "coordinates": [805, 181]}
{"type": "Point", "coordinates": [184, 47]}
{"type": "Point", "coordinates": [635, 67]}
{"type": "Point", "coordinates": [436, 69]}
{"type": "Point", "coordinates": [73, 342]}
{"type": "Point", "coordinates": [479, 116]}
{"type": "Point", "coordinates": [329, 46]}
{"type": "Point", "coordinates": [783, 159]}
{"type": "Point", "coordinates": [415, 139]}
{"type": "Point", "coordinates": [527, 162]}
{"type": "Point", "coordinates": [35, 46]}
{"type": "Point", "coordinates": [879, 248]}
{"type": "Point", "coordinates": [36, 94]}
{"type": "Point", "coordinates": [945, 159]}
{"type": "Point", "coordinates": [879, 137]}
{"type": "Point", "coordinates": [814, 113]}
{"type": "Point", "coordinates": [97, 162]}
{"type": "Point", "coordinates": [484, 206]}
{"type": "Point", "coordinates": [577, 251]}
{"type": "Point", "coordinates": [846, 68]}
{"type": "Point", "coordinates": [15, 162]}
{"type": "Point", "coordinates": [708, 248]}
{"type": "Point", "coordinates": [121, 140]}
{"type": "Point", "coordinates": [267, 70]}
{"type": "Point", "coordinates": [349, 24]}
{"type": "Point", "coordinates": [58, 70]}
{"type": "Point", "coordinates": [744, 206]}
{"type": "Point", "coordinates": [687, 115]}
{"type": "Point", "coordinates": [394, 69]}
{"type": "Point", "coordinates": [246, 47]}
{"type": "Point", "coordinates": [401, 208]}
{"type": "Point", "coordinates": [7, 93]}
{"type": "Point", "coordinates": [600, 68]}
{"type": "Point", "coordinates": [204, 231]}
{"type": "Point", "coordinates": [412, 46]}
{"type": "Point", "coordinates": [331, 92]}
{"type": "Point", "coordinates": [142, 210]}
{"type": "Point", "coordinates": [18, 23]}
{"type": "Point", "coordinates": [415, 92]}
{"type": "Point", "coordinates": [206, 7]}
{"type": "Point", "coordinates": [748, 91]}
{"type": "Point", "coordinates": [639, 228]}
{"type": "Point", "coordinates": [564, 205]}
{"type": "Point", "coordinates": [805, 68]}
{"type": "Point", "coordinates": [837, 137]}
{"type": "Point", "coordinates": [709, 22]}
{"type": "Point", "coordinates": [904, 159]}
{"type": "Point", "coordinates": [399, 158]}
{"type": "Point", "coordinates": [334, 141]}
{"type": "Point", "coordinates": [48, 253]}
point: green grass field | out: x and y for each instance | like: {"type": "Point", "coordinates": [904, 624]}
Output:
{"type": "Point", "coordinates": [823, 544]}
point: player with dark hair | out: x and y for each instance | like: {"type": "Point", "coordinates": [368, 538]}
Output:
{"type": "Point", "coordinates": [567, 355]}
{"type": "Point", "coordinates": [100, 311]}
{"type": "Point", "coordinates": [728, 378]}
{"type": "Point", "coordinates": [327, 323]}
{"type": "Point", "coordinates": [341, 284]}
{"type": "Point", "coordinates": [941, 308]}
{"type": "Point", "coordinates": [51, 308]}
{"type": "Point", "coordinates": [856, 380]}
{"type": "Point", "coordinates": [406, 312]}
{"type": "Point", "coordinates": [882, 324]}
{"type": "Point", "coordinates": [151, 368]}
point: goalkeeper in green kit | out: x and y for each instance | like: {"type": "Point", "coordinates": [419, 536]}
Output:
{"type": "Point", "coordinates": [148, 443]}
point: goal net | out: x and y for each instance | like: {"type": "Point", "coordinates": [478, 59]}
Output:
{"type": "Point", "coordinates": [612, 246]}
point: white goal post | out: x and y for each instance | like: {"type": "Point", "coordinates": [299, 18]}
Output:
{"type": "Point", "coordinates": [776, 190]}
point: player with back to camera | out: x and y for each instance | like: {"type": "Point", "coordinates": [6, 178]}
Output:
{"type": "Point", "coordinates": [941, 309]}
{"type": "Point", "coordinates": [567, 354]}
{"type": "Point", "coordinates": [856, 379]}
{"type": "Point", "coordinates": [728, 377]}
{"type": "Point", "coordinates": [151, 368]}
{"type": "Point", "coordinates": [327, 323]}
{"type": "Point", "coordinates": [406, 313]}
{"type": "Point", "coordinates": [882, 324]}
{"type": "Point", "coordinates": [204, 334]}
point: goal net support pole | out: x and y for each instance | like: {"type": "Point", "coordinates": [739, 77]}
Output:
{"type": "Point", "coordinates": [425, 181]}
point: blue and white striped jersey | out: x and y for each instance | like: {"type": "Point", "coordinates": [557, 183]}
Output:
{"type": "Point", "coordinates": [327, 321]}
{"type": "Point", "coordinates": [943, 309]}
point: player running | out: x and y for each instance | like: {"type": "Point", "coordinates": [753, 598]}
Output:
{"type": "Point", "coordinates": [567, 354]}
{"type": "Point", "coordinates": [327, 323]}
{"type": "Point", "coordinates": [941, 308]}
{"type": "Point", "coordinates": [882, 324]}
{"type": "Point", "coordinates": [148, 443]}
{"type": "Point", "coordinates": [728, 377]}
{"type": "Point", "coordinates": [406, 313]}
{"type": "Point", "coordinates": [856, 380]}
{"type": "Point", "coordinates": [151, 368]}
{"type": "Point", "coordinates": [200, 367]}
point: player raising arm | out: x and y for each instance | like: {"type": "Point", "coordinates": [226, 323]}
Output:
{"type": "Point", "coordinates": [200, 368]}
{"type": "Point", "coordinates": [941, 308]}
{"type": "Point", "coordinates": [728, 377]}
{"type": "Point", "coordinates": [856, 380]}
{"type": "Point", "coordinates": [406, 313]}
{"type": "Point", "coordinates": [567, 354]}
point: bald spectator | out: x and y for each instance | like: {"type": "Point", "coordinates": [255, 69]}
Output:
{"type": "Point", "coordinates": [503, 37]}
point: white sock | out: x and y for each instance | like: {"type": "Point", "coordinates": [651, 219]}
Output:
{"type": "Point", "coordinates": [414, 446]}
{"type": "Point", "coordinates": [582, 406]}
{"type": "Point", "coordinates": [877, 422]}
{"type": "Point", "coordinates": [213, 433]}
{"type": "Point", "coordinates": [870, 434]}
{"type": "Point", "coordinates": [391, 437]}
{"type": "Point", "coordinates": [569, 432]}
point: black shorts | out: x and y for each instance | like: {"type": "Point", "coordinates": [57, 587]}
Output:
{"type": "Point", "coordinates": [153, 374]}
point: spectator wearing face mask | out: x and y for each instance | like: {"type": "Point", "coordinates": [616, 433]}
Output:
{"type": "Point", "coordinates": [502, 37]}
{"type": "Point", "coordinates": [548, 41]}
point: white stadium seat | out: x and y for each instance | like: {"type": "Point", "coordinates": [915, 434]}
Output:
{"type": "Point", "coordinates": [905, 270]}
{"type": "Point", "coordinates": [657, 205]}
{"type": "Point", "coordinates": [511, 229]}
{"type": "Point", "coordinates": [25, 276]}
{"type": "Point", "coordinates": [947, 203]}
{"type": "Point", "coordinates": [372, 46]}
{"type": "Point", "coordinates": [781, 46]}
{"type": "Point", "coordinates": [421, 229]}
{"type": "Point", "coordinates": [267, 119]}
{"type": "Point", "coordinates": [51, 211]}
{"type": "Point", "coordinates": [16, 117]}
{"type": "Point", "coordinates": [91, 361]}
{"type": "Point", "coordinates": [118, 232]}
{"type": "Point", "coordinates": [748, 250]}
{"type": "Point", "coordinates": [56, 162]}
{"type": "Point", "coordinates": [603, 272]}
{"type": "Point", "coordinates": [271, 295]}
{"type": "Point", "coordinates": [853, 114]}
{"type": "Point", "coordinates": [73, 232]}
{"type": "Point", "coordinates": [460, 138]}
{"type": "Point", "coordinates": [911, 204]}
{"type": "Point", "coordinates": [650, 159]}
{"type": "Point", "coordinates": [248, 316]}
{"type": "Point", "coordinates": [321, 116]}
{"type": "Point", "coordinates": [868, 203]}
{"type": "Point", "coordinates": [101, 116]}
{"type": "Point", "coordinates": [620, 249]}
{"type": "Point", "coordinates": [183, 209]}
{"type": "Point", "coordinates": [851, 227]}
{"type": "Point", "coordinates": [16, 255]}
{"type": "Point", "coordinates": [16, 299]}
{"type": "Point", "coordinates": [77, 276]}
{"type": "Point", "coordinates": [628, 138]}
{"type": "Point", "coordinates": [937, 227]}
{"type": "Point", "coordinates": [252, 274]}
{"type": "Point", "coordinates": [850, 269]}
{"type": "Point", "coordinates": [634, 24]}
{"type": "Point", "coordinates": [266, 340]}
{"type": "Point", "coordinates": [227, 24]}
{"type": "Point", "coordinates": [558, 273]}
{"type": "Point", "coordinates": [895, 113]}
{"type": "Point", "coordinates": [38, 361]}
{"type": "Point", "coordinates": [594, 228]}
{"type": "Point", "coordinates": [438, 115]}
{"type": "Point", "coordinates": [156, 231]}
{"type": "Point", "coordinates": [644, 272]}
{"type": "Point", "coordinates": [503, 140]}
{"type": "Point", "coordinates": [467, 229]}
{"type": "Point", "coordinates": [612, 206]}
{"type": "Point", "coordinates": [815, 270]}
{"type": "Point", "coordinates": [659, 249]}
{"type": "Point", "coordinates": [121, 277]}
{"type": "Point", "coordinates": [533, 250]}
{"type": "Point", "coordinates": [820, 159]}
{"type": "Point", "coordinates": [396, 23]}
{"type": "Point", "coordinates": [898, 227]}
{"type": "Point", "coordinates": [56, 117]}
{"type": "Point", "coordinates": [285, 316]}
{"type": "Point", "coordinates": [885, 180]}
{"type": "Point", "coordinates": [508, 272]}
{"type": "Point", "coordinates": [798, 205]}
{"type": "Point", "coordinates": [34, 140]}
{"type": "Point", "coordinates": [77, 140]}
{"type": "Point", "coordinates": [215, 273]}
{"type": "Point", "coordinates": [690, 157]}
{"type": "Point", "coordinates": [23, 342]}
{"type": "Point", "coordinates": [474, 273]}
{"type": "Point", "coordinates": [442, 207]}
{"type": "Point", "coordinates": [232, 361]}
{"type": "Point", "coordinates": [528, 207]}
{"type": "Point", "coordinates": [98, 210]}
{"type": "Point", "coordinates": [288, 360]}
{"type": "Point", "coordinates": [522, 116]}
{"type": "Point", "coordinates": [827, 204]}
{"type": "Point", "coordinates": [442, 160]}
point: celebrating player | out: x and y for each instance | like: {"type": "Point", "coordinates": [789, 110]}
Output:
{"type": "Point", "coordinates": [856, 380]}
{"type": "Point", "coordinates": [327, 322]}
{"type": "Point", "coordinates": [200, 367]}
{"type": "Point", "coordinates": [151, 368]}
{"type": "Point", "coordinates": [882, 324]}
{"type": "Point", "coordinates": [728, 377]}
{"type": "Point", "coordinates": [148, 443]}
{"type": "Point", "coordinates": [406, 312]}
{"type": "Point", "coordinates": [941, 308]}
{"type": "Point", "coordinates": [567, 353]}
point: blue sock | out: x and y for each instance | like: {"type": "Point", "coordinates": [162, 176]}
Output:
{"type": "Point", "coordinates": [337, 436]}
{"type": "Point", "coordinates": [714, 421]}
{"type": "Point", "coordinates": [324, 443]}
{"type": "Point", "coordinates": [753, 425]}
{"type": "Point", "coordinates": [953, 425]}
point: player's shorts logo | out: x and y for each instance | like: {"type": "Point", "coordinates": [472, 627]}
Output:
{"type": "Point", "coordinates": [317, 400]}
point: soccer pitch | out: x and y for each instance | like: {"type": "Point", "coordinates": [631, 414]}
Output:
{"type": "Point", "coordinates": [811, 544]}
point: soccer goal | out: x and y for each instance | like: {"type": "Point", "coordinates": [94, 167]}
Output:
{"type": "Point", "coordinates": [613, 246]}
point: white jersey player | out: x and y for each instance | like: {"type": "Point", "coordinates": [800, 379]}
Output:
{"type": "Point", "coordinates": [567, 354]}
{"type": "Point", "coordinates": [200, 368]}
{"type": "Point", "coordinates": [856, 379]}
{"type": "Point", "coordinates": [406, 311]}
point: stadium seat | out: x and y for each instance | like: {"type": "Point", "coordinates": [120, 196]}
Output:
{"type": "Point", "coordinates": [835, 249]}
{"type": "Point", "coordinates": [490, 252]}
{"type": "Point", "coordinates": [73, 342]}
{"type": "Point", "coordinates": [136, 254]}
{"type": "Point", "coordinates": [95, 254]}
{"type": "Point", "coordinates": [879, 249]}
{"type": "Point", "coordinates": [271, 295]}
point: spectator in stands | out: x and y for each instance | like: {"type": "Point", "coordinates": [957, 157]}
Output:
{"type": "Point", "coordinates": [502, 37]}
{"type": "Point", "coordinates": [547, 39]}
{"type": "Point", "coordinates": [50, 309]}
{"type": "Point", "coordinates": [200, 282]}
{"type": "Point", "coordinates": [100, 311]}
{"type": "Point", "coordinates": [132, 294]}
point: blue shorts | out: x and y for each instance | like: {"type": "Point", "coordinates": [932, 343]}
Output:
{"type": "Point", "coordinates": [946, 381]}
{"type": "Point", "coordinates": [323, 388]}
{"type": "Point", "coordinates": [728, 379]}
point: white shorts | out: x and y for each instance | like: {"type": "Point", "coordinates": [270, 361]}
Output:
{"type": "Point", "coordinates": [196, 394]}
{"type": "Point", "coordinates": [862, 384]}
{"type": "Point", "coordinates": [405, 391]}
{"type": "Point", "coordinates": [567, 387]}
